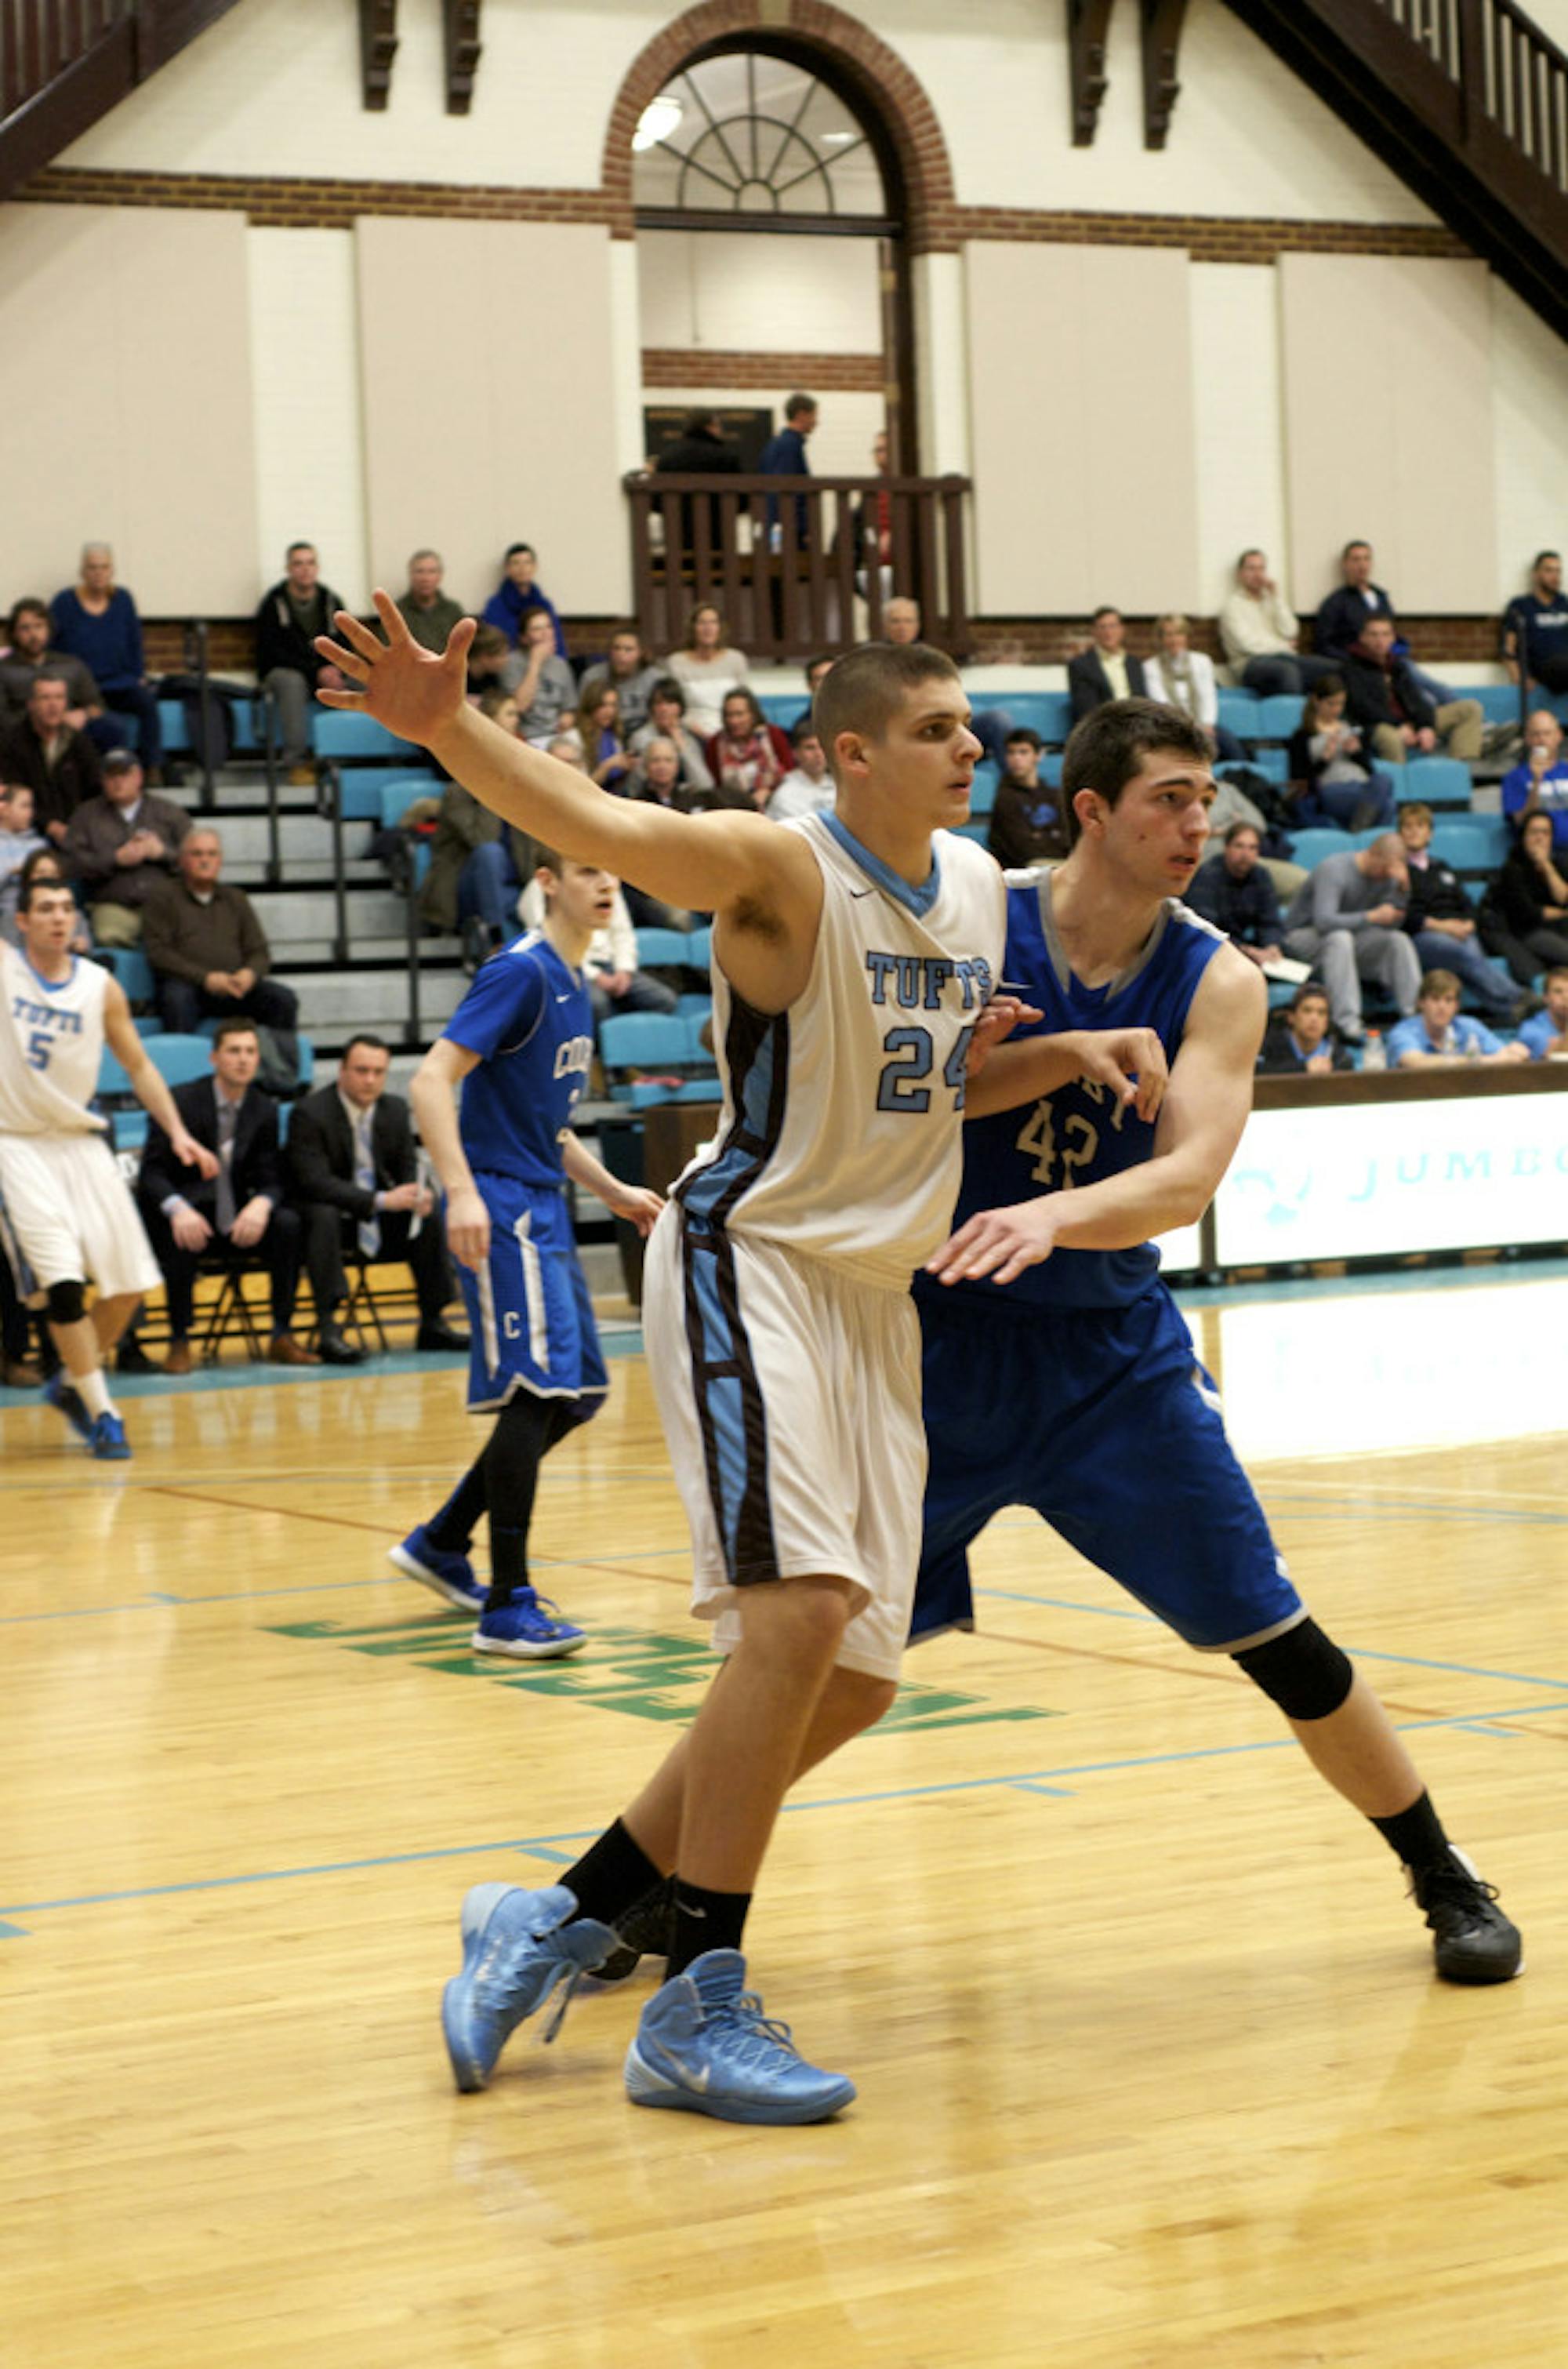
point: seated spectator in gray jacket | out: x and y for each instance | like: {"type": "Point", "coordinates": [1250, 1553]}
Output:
{"type": "Point", "coordinates": [632, 671]}
{"type": "Point", "coordinates": [119, 845]}
{"type": "Point", "coordinates": [1347, 920]}
{"type": "Point", "coordinates": [659, 776]}
{"type": "Point", "coordinates": [1301, 1040]}
{"type": "Point", "coordinates": [209, 952]}
{"type": "Point", "coordinates": [1026, 821]}
{"type": "Point", "coordinates": [290, 616]}
{"type": "Point", "coordinates": [538, 679]}
{"type": "Point", "coordinates": [1237, 896]}
{"type": "Point", "coordinates": [428, 611]}
{"type": "Point", "coordinates": [28, 629]}
{"type": "Point", "coordinates": [666, 721]}
{"type": "Point", "coordinates": [807, 788]}
{"type": "Point", "coordinates": [18, 840]}
{"type": "Point", "coordinates": [59, 764]}
{"type": "Point", "coordinates": [1388, 701]}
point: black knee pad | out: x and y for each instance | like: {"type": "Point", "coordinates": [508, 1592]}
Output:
{"type": "Point", "coordinates": [1304, 1672]}
{"type": "Point", "coordinates": [67, 1302]}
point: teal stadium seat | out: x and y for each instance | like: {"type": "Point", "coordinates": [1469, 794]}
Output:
{"type": "Point", "coordinates": [345, 734]}
{"type": "Point", "coordinates": [663, 949]}
{"type": "Point", "coordinates": [1439, 781]}
{"type": "Point", "coordinates": [1277, 717]}
{"type": "Point", "coordinates": [698, 950]}
{"type": "Point", "coordinates": [1238, 712]}
{"type": "Point", "coordinates": [1471, 843]}
{"type": "Point", "coordinates": [396, 794]}
{"type": "Point", "coordinates": [133, 971]}
{"type": "Point", "coordinates": [1309, 847]}
{"type": "Point", "coordinates": [1049, 712]}
{"type": "Point", "coordinates": [982, 796]}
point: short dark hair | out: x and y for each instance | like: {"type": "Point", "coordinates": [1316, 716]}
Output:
{"type": "Point", "coordinates": [363, 1037]}
{"type": "Point", "coordinates": [1240, 825]}
{"type": "Point", "coordinates": [803, 728]}
{"type": "Point", "coordinates": [1534, 564]}
{"type": "Point", "coordinates": [1106, 609]}
{"type": "Point", "coordinates": [1327, 686]}
{"type": "Point", "coordinates": [32, 885]}
{"type": "Point", "coordinates": [1253, 551]}
{"type": "Point", "coordinates": [868, 687]}
{"type": "Point", "coordinates": [1439, 983]}
{"type": "Point", "coordinates": [698, 419]}
{"type": "Point", "coordinates": [667, 687]}
{"type": "Point", "coordinates": [1309, 989]}
{"type": "Point", "coordinates": [301, 545]}
{"type": "Point", "coordinates": [1556, 971]}
{"type": "Point", "coordinates": [27, 606]}
{"type": "Point", "coordinates": [1357, 542]}
{"type": "Point", "coordinates": [50, 674]}
{"type": "Point", "coordinates": [513, 548]}
{"type": "Point", "coordinates": [236, 1027]}
{"type": "Point", "coordinates": [1108, 747]}
{"type": "Point", "coordinates": [823, 658]}
{"type": "Point", "coordinates": [743, 690]}
{"type": "Point", "coordinates": [795, 404]}
{"type": "Point", "coordinates": [1024, 732]}
{"type": "Point", "coordinates": [489, 642]}
{"type": "Point", "coordinates": [39, 857]}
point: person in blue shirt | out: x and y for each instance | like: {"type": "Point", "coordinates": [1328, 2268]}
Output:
{"type": "Point", "coordinates": [783, 455]}
{"type": "Point", "coordinates": [1535, 627]}
{"type": "Point", "coordinates": [1059, 1372]}
{"type": "Point", "coordinates": [1545, 1035]}
{"type": "Point", "coordinates": [1437, 1034]}
{"type": "Point", "coordinates": [1301, 1041]}
{"type": "Point", "coordinates": [517, 593]}
{"type": "Point", "coordinates": [96, 622]}
{"type": "Point", "coordinates": [520, 1045]}
{"type": "Point", "coordinates": [1538, 785]}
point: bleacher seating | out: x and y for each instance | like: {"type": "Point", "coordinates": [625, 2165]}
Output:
{"type": "Point", "coordinates": [1438, 781]}
{"type": "Point", "coordinates": [347, 733]}
{"type": "Point", "coordinates": [653, 1057]}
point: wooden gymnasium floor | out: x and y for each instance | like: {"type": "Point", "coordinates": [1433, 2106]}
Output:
{"type": "Point", "coordinates": [1154, 2071]}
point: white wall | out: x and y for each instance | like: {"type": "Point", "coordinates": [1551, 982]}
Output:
{"type": "Point", "coordinates": [751, 291]}
{"type": "Point", "coordinates": [1237, 422]}
{"type": "Point", "coordinates": [304, 337]}
{"type": "Point", "coordinates": [1530, 376]}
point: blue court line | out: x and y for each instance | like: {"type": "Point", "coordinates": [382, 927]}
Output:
{"type": "Point", "coordinates": [1034, 1780]}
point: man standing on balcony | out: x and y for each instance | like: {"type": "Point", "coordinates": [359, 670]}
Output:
{"type": "Point", "coordinates": [783, 455]}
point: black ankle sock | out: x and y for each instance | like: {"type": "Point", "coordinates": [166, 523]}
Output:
{"type": "Point", "coordinates": [611, 1874]}
{"type": "Point", "coordinates": [704, 1920]}
{"type": "Point", "coordinates": [453, 1527]}
{"type": "Point", "coordinates": [1416, 1836]}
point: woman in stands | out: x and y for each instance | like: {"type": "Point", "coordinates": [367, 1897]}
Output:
{"type": "Point", "coordinates": [706, 668]}
{"type": "Point", "coordinates": [1342, 791]}
{"type": "Point", "coordinates": [747, 757]}
{"type": "Point", "coordinates": [1524, 914]}
{"type": "Point", "coordinates": [598, 734]}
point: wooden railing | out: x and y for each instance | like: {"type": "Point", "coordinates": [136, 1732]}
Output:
{"type": "Point", "coordinates": [64, 63]}
{"type": "Point", "coordinates": [798, 565]}
{"type": "Point", "coordinates": [39, 38]}
{"type": "Point", "coordinates": [1511, 76]}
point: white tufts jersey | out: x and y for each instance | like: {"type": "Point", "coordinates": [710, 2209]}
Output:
{"type": "Point", "coordinates": [50, 1047]}
{"type": "Point", "coordinates": [840, 1135]}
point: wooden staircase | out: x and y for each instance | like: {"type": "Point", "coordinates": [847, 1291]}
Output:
{"type": "Point", "coordinates": [64, 63]}
{"type": "Point", "coordinates": [1466, 100]}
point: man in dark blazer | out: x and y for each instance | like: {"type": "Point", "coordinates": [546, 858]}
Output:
{"type": "Point", "coordinates": [238, 1214]}
{"type": "Point", "coordinates": [356, 1181]}
{"type": "Point", "coordinates": [1106, 670]}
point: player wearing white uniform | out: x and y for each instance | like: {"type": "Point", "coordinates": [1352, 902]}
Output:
{"type": "Point", "coordinates": [851, 962]}
{"type": "Point", "coordinates": [66, 1215]}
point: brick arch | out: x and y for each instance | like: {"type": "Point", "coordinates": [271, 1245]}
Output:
{"type": "Point", "coordinates": [882, 83]}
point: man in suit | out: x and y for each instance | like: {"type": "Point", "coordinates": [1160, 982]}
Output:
{"type": "Point", "coordinates": [238, 1214]}
{"type": "Point", "coordinates": [1106, 670]}
{"type": "Point", "coordinates": [351, 1153]}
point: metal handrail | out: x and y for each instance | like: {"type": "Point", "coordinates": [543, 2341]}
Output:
{"type": "Point", "coordinates": [330, 802]}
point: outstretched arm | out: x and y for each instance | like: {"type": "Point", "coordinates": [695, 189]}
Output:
{"type": "Point", "coordinates": [708, 861]}
{"type": "Point", "coordinates": [1201, 1118]}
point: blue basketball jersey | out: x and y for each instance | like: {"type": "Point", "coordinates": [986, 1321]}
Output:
{"type": "Point", "coordinates": [528, 1017]}
{"type": "Point", "coordinates": [1078, 1135]}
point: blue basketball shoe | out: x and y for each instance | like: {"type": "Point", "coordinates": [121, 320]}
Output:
{"type": "Point", "coordinates": [530, 1627]}
{"type": "Point", "coordinates": [517, 1949]}
{"type": "Point", "coordinates": [448, 1573]}
{"type": "Point", "coordinates": [107, 1439]}
{"type": "Point", "coordinates": [704, 2045]}
{"type": "Point", "coordinates": [59, 1394]}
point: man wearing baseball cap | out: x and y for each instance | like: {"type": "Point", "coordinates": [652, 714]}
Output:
{"type": "Point", "coordinates": [119, 845]}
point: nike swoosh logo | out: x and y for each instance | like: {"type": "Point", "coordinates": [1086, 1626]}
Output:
{"type": "Point", "coordinates": [564, 998]}
{"type": "Point", "coordinates": [858, 893]}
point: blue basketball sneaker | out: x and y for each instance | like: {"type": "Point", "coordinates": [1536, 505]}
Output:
{"type": "Point", "coordinates": [58, 1394]}
{"type": "Point", "coordinates": [530, 1627]}
{"type": "Point", "coordinates": [704, 2045]}
{"type": "Point", "coordinates": [517, 1949]}
{"type": "Point", "coordinates": [448, 1573]}
{"type": "Point", "coordinates": [107, 1439]}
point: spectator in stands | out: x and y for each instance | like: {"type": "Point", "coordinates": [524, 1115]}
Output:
{"type": "Point", "coordinates": [657, 776]}
{"type": "Point", "coordinates": [95, 621]}
{"type": "Point", "coordinates": [783, 455]}
{"type": "Point", "coordinates": [493, 662]}
{"type": "Point", "coordinates": [666, 721]}
{"type": "Point", "coordinates": [355, 1172]}
{"type": "Point", "coordinates": [629, 668]}
{"type": "Point", "coordinates": [1343, 619]}
{"type": "Point", "coordinates": [29, 629]}
{"type": "Point", "coordinates": [1535, 627]}
{"type": "Point", "coordinates": [119, 845]}
{"type": "Point", "coordinates": [1347, 920]}
{"type": "Point", "coordinates": [1388, 703]}
{"type": "Point", "coordinates": [1179, 676]}
{"type": "Point", "coordinates": [1442, 924]}
{"type": "Point", "coordinates": [808, 787]}
{"type": "Point", "coordinates": [293, 612]}
{"type": "Point", "coordinates": [1025, 820]}
{"type": "Point", "coordinates": [1106, 670]}
{"type": "Point", "coordinates": [615, 983]}
{"type": "Point", "coordinates": [1545, 1036]}
{"type": "Point", "coordinates": [477, 871]}
{"type": "Point", "coordinates": [1238, 895]}
{"type": "Point", "coordinates": [429, 613]}
{"type": "Point", "coordinates": [700, 451]}
{"type": "Point", "coordinates": [18, 840]}
{"type": "Point", "coordinates": [1439, 1034]}
{"type": "Point", "coordinates": [238, 1214]}
{"type": "Point", "coordinates": [1301, 1040]}
{"type": "Point", "coordinates": [748, 756]}
{"type": "Point", "coordinates": [543, 681]}
{"type": "Point", "coordinates": [901, 622]}
{"type": "Point", "coordinates": [816, 669]}
{"type": "Point", "coordinates": [901, 626]}
{"type": "Point", "coordinates": [1328, 755]}
{"type": "Point", "coordinates": [1524, 914]}
{"type": "Point", "coordinates": [59, 763]}
{"type": "Point", "coordinates": [705, 668]}
{"type": "Point", "coordinates": [597, 730]}
{"type": "Point", "coordinates": [1538, 785]}
{"type": "Point", "coordinates": [1259, 634]}
{"type": "Point", "coordinates": [874, 522]}
{"type": "Point", "coordinates": [44, 864]}
{"type": "Point", "coordinates": [209, 952]}
{"type": "Point", "coordinates": [517, 593]}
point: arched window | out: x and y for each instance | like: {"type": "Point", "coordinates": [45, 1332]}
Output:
{"type": "Point", "coordinates": [750, 133]}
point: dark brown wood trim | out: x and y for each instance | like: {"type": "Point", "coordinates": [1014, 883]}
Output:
{"type": "Point", "coordinates": [460, 21]}
{"type": "Point", "coordinates": [1161, 23]}
{"type": "Point", "coordinates": [378, 47]}
{"type": "Point", "coordinates": [1088, 24]}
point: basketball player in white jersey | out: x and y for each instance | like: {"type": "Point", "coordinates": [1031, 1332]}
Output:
{"type": "Point", "coordinates": [66, 1215]}
{"type": "Point", "coordinates": [854, 956]}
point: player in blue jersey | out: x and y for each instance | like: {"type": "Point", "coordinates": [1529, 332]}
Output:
{"type": "Point", "coordinates": [1058, 1371]}
{"type": "Point", "coordinates": [520, 1047]}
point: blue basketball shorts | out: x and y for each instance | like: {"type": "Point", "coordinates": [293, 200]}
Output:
{"type": "Point", "coordinates": [1102, 1420]}
{"type": "Point", "coordinates": [529, 1311]}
